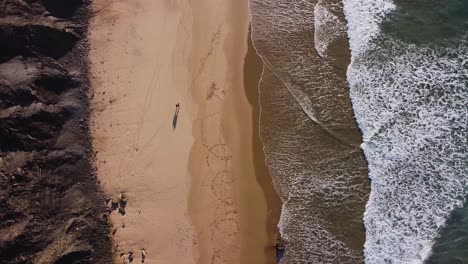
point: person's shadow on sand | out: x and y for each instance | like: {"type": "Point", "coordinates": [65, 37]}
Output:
{"type": "Point", "coordinates": [176, 115]}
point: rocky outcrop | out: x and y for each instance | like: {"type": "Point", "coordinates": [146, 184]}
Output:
{"type": "Point", "coordinates": [51, 208]}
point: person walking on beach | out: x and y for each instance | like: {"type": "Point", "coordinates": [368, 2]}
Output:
{"type": "Point", "coordinates": [176, 115]}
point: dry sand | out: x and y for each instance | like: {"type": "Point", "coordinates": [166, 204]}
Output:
{"type": "Point", "coordinates": [193, 191]}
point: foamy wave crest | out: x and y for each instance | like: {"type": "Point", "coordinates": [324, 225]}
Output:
{"type": "Point", "coordinates": [364, 17]}
{"type": "Point", "coordinates": [411, 105]}
{"type": "Point", "coordinates": [328, 28]}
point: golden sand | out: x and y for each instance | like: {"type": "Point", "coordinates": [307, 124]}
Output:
{"type": "Point", "coordinates": [196, 193]}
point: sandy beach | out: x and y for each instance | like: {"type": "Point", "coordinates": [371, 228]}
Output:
{"type": "Point", "coordinates": [194, 184]}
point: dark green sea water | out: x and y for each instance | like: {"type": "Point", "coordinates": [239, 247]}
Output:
{"type": "Point", "coordinates": [409, 85]}
{"type": "Point", "coordinates": [408, 92]}
{"type": "Point", "coordinates": [427, 21]}
{"type": "Point", "coordinates": [436, 23]}
{"type": "Point", "coordinates": [452, 246]}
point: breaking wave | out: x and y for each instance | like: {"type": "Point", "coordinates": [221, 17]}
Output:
{"type": "Point", "coordinates": [410, 101]}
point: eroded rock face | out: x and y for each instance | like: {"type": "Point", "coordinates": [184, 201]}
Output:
{"type": "Point", "coordinates": [50, 203]}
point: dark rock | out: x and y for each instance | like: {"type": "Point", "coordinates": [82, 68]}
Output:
{"type": "Point", "coordinates": [50, 205]}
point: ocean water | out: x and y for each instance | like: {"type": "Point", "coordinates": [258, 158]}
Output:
{"type": "Point", "coordinates": [403, 76]}
{"type": "Point", "coordinates": [408, 82]}
{"type": "Point", "coordinates": [311, 139]}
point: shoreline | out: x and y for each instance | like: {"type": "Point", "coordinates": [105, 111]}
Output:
{"type": "Point", "coordinates": [253, 70]}
{"type": "Point", "coordinates": [305, 105]}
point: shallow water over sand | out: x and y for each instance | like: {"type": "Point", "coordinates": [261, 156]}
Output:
{"type": "Point", "coordinates": [308, 129]}
{"type": "Point", "coordinates": [407, 73]}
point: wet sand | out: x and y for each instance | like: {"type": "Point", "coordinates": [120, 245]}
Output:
{"type": "Point", "coordinates": [194, 192]}
{"type": "Point", "coordinates": [228, 204]}
{"type": "Point", "coordinates": [253, 68]}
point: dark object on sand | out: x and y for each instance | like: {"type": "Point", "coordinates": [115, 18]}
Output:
{"type": "Point", "coordinates": [176, 115]}
{"type": "Point", "coordinates": [280, 249]}
{"type": "Point", "coordinates": [115, 202]}
{"type": "Point", "coordinates": [143, 255]}
{"type": "Point", "coordinates": [119, 203]}
{"type": "Point", "coordinates": [123, 200]}
{"type": "Point", "coordinates": [121, 211]}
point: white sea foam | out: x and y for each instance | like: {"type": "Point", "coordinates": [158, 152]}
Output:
{"type": "Point", "coordinates": [363, 18]}
{"type": "Point", "coordinates": [411, 105]}
{"type": "Point", "coordinates": [328, 28]}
